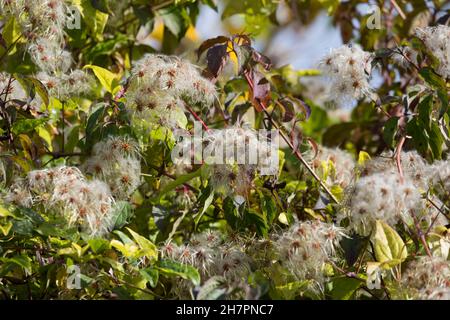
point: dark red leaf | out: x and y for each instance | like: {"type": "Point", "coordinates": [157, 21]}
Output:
{"type": "Point", "coordinates": [209, 43]}
{"type": "Point", "coordinates": [287, 109]}
{"type": "Point", "coordinates": [216, 58]}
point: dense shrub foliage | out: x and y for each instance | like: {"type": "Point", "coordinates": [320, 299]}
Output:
{"type": "Point", "coordinates": [103, 197]}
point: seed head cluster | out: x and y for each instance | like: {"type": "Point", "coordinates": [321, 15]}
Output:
{"type": "Point", "coordinates": [239, 154]}
{"type": "Point", "coordinates": [42, 23]}
{"type": "Point", "coordinates": [116, 161]}
{"type": "Point", "coordinates": [343, 165]}
{"type": "Point", "coordinates": [306, 247]}
{"type": "Point", "coordinates": [437, 41]}
{"type": "Point", "coordinates": [160, 86]}
{"type": "Point", "coordinates": [349, 69]}
{"type": "Point", "coordinates": [65, 191]}
{"type": "Point", "coordinates": [381, 196]}
{"type": "Point", "coordinates": [427, 278]}
{"type": "Point", "coordinates": [213, 255]}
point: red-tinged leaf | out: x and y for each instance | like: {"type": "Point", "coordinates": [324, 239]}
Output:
{"type": "Point", "coordinates": [287, 109]}
{"type": "Point", "coordinates": [305, 108]}
{"type": "Point", "coordinates": [209, 43]}
{"type": "Point", "coordinates": [314, 146]}
{"type": "Point", "coordinates": [260, 89]}
{"type": "Point", "coordinates": [216, 58]}
{"type": "Point", "coordinates": [262, 60]}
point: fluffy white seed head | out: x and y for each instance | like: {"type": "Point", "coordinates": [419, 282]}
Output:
{"type": "Point", "coordinates": [116, 161]}
{"type": "Point", "coordinates": [349, 69]}
{"type": "Point", "coordinates": [381, 196]}
{"type": "Point", "coordinates": [427, 278]}
{"type": "Point", "coordinates": [305, 248]}
{"type": "Point", "coordinates": [65, 191]}
{"type": "Point", "coordinates": [437, 41]}
{"type": "Point", "coordinates": [160, 86]}
{"type": "Point", "coordinates": [238, 154]}
{"type": "Point", "coordinates": [343, 163]}
{"type": "Point", "coordinates": [414, 167]}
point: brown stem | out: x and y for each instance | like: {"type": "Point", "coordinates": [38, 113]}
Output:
{"type": "Point", "coordinates": [196, 117]}
{"type": "Point", "coordinates": [289, 143]}
{"type": "Point", "coordinates": [398, 159]}
{"type": "Point", "coordinates": [421, 235]}
{"type": "Point", "coordinates": [164, 173]}
{"type": "Point", "coordinates": [399, 10]}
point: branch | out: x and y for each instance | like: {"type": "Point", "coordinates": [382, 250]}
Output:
{"type": "Point", "coordinates": [291, 146]}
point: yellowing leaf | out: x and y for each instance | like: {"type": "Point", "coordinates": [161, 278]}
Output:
{"type": "Point", "coordinates": [233, 56]}
{"type": "Point", "coordinates": [363, 157]}
{"type": "Point", "coordinates": [147, 247]}
{"type": "Point", "coordinates": [128, 250]}
{"type": "Point", "coordinates": [5, 212]}
{"type": "Point", "coordinates": [389, 246]}
{"type": "Point", "coordinates": [11, 33]}
{"type": "Point", "coordinates": [283, 218]}
{"type": "Point", "coordinates": [45, 135]}
{"type": "Point", "coordinates": [6, 228]}
{"type": "Point", "coordinates": [107, 79]}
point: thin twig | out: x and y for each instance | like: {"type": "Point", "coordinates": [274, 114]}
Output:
{"type": "Point", "coordinates": [398, 158]}
{"type": "Point", "coordinates": [291, 146]}
{"type": "Point", "coordinates": [421, 235]}
{"type": "Point", "coordinates": [399, 10]}
{"type": "Point", "coordinates": [196, 117]}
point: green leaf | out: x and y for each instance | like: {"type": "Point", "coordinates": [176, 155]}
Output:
{"type": "Point", "coordinates": [390, 129]}
{"type": "Point", "coordinates": [101, 5]}
{"type": "Point", "coordinates": [353, 246]}
{"type": "Point", "coordinates": [20, 260]}
{"type": "Point", "coordinates": [179, 181]}
{"type": "Point", "coordinates": [27, 125]}
{"type": "Point", "coordinates": [174, 21]}
{"type": "Point", "coordinates": [419, 136]}
{"type": "Point", "coordinates": [108, 80]}
{"type": "Point", "coordinates": [151, 275]}
{"type": "Point", "coordinates": [92, 122]}
{"type": "Point", "coordinates": [172, 268]}
{"type": "Point", "coordinates": [389, 246]}
{"type": "Point", "coordinates": [344, 288]}
{"type": "Point", "coordinates": [268, 206]}
{"type": "Point", "coordinates": [98, 245]}
{"type": "Point", "coordinates": [436, 140]}
{"type": "Point", "coordinates": [5, 228]}
{"type": "Point", "coordinates": [206, 198]}
{"type": "Point", "coordinates": [46, 136]}
{"type": "Point", "coordinates": [10, 34]}
{"type": "Point", "coordinates": [94, 19]}
{"type": "Point", "coordinates": [432, 78]}
{"type": "Point", "coordinates": [72, 139]}
{"type": "Point", "coordinates": [290, 290]}
{"type": "Point", "coordinates": [122, 212]}
{"type": "Point", "coordinates": [253, 218]}
{"type": "Point", "coordinates": [147, 247]}
{"type": "Point", "coordinates": [425, 108]}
